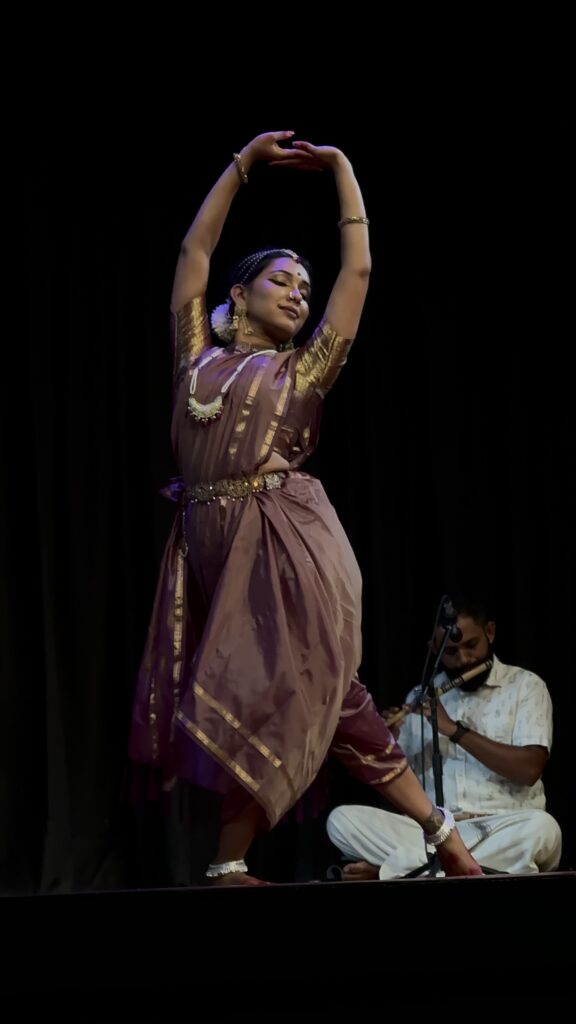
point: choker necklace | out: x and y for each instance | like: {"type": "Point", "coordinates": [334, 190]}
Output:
{"type": "Point", "coordinates": [207, 412]}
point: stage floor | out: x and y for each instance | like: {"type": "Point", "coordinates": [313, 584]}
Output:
{"type": "Point", "coordinates": [204, 951]}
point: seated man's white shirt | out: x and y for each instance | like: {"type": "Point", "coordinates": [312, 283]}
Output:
{"type": "Point", "coordinates": [513, 706]}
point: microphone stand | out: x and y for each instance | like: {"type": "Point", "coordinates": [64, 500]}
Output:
{"type": "Point", "coordinates": [428, 694]}
{"type": "Point", "coordinates": [437, 770]}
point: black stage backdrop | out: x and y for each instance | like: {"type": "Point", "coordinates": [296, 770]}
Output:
{"type": "Point", "coordinates": [447, 447]}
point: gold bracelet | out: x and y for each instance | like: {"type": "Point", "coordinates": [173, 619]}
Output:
{"type": "Point", "coordinates": [240, 168]}
{"type": "Point", "coordinates": [353, 220]}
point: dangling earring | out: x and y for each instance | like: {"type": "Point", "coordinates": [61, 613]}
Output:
{"type": "Point", "coordinates": [241, 320]}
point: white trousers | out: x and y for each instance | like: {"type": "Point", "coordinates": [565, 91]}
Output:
{"type": "Point", "coordinates": [518, 842]}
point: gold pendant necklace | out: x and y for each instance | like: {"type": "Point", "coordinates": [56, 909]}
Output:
{"type": "Point", "coordinates": [207, 412]}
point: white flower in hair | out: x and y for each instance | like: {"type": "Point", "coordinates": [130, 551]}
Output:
{"type": "Point", "coordinates": [221, 322]}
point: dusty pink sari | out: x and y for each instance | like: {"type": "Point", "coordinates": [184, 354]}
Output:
{"type": "Point", "coordinates": [248, 675]}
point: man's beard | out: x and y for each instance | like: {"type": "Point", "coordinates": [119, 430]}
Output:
{"type": "Point", "coordinates": [477, 681]}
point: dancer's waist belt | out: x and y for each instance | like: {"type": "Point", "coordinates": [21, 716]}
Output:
{"type": "Point", "coordinates": [234, 487]}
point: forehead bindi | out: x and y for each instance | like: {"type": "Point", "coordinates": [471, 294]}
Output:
{"type": "Point", "coordinates": [287, 266]}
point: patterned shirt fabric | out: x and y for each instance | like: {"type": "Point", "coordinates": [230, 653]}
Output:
{"type": "Point", "coordinates": [513, 706]}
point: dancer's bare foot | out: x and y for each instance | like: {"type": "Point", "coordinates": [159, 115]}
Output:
{"type": "Point", "coordinates": [237, 878]}
{"type": "Point", "coordinates": [360, 871]}
{"type": "Point", "coordinates": [455, 859]}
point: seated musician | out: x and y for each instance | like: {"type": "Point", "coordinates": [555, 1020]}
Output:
{"type": "Point", "coordinates": [495, 735]}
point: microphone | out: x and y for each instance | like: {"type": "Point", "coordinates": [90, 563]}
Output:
{"type": "Point", "coordinates": [447, 619]}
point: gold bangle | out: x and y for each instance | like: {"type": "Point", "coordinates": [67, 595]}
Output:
{"type": "Point", "coordinates": [353, 220]}
{"type": "Point", "coordinates": [240, 168]}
